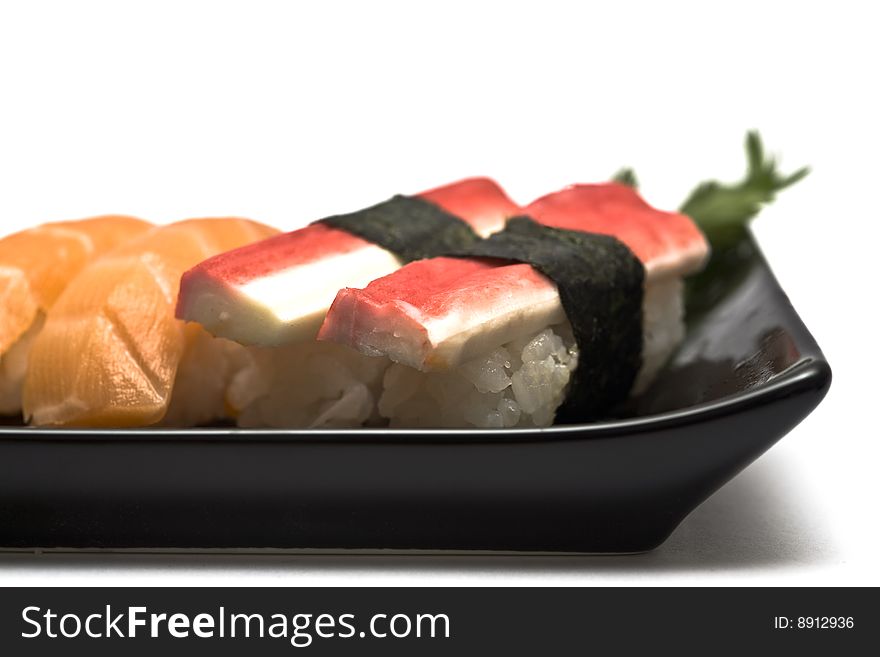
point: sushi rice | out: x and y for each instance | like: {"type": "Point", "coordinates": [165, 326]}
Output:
{"type": "Point", "coordinates": [523, 382]}
{"type": "Point", "coordinates": [306, 385]}
{"type": "Point", "coordinates": [518, 384]}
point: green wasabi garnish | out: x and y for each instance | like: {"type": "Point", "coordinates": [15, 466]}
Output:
{"type": "Point", "coordinates": [723, 211]}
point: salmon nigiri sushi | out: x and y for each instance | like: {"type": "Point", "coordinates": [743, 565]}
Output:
{"type": "Point", "coordinates": [110, 350]}
{"type": "Point", "coordinates": [35, 266]}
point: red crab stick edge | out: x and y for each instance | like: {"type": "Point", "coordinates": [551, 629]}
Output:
{"type": "Point", "coordinates": [435, 314]}
{"type": "Point", "coordinates": [278, 291]}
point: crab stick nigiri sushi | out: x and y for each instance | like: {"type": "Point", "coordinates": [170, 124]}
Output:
{"type": "Point", "coordinates": [277, 291]}
{"type": "Point", "coordinates": [110, 350]}
{"type": "Point", "coordinates": [35, 266]}
{"type": "Point", "coordinates": [487, 342]}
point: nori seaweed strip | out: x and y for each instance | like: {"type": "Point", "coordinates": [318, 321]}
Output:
{"type": "Point", "coordinates": [601, 285]}
{"type": "Point", "coordinates": [410, 227]}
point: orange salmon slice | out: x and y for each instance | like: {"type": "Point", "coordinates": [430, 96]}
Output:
{"type": "Point", "coordinates": [36, 264]}
{"type": "Point", "coordinates": [109, 350]}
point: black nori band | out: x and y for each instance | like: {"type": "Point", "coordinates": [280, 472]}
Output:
{"type": "Point", "coordinates": [410, 227]}
{"type": "Point", "coordinates": [601, 285]}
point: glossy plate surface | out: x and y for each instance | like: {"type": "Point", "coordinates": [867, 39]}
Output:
{"type": "Point", "coordinates": [747, 373]}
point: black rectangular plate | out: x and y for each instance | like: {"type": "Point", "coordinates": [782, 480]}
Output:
{"type": "Point", "coordinates": [747, 373]}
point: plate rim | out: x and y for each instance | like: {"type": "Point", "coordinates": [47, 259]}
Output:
{"type": "Point", "coordinates": [810, 373]}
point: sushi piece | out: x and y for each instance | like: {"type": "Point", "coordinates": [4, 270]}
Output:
{"type": "Point", "coordinates": [296, 381]}
{"type": "Point", "coordinates": [277, 291]}
{"type": "Point", "coordinates": [484, 342]}
{"type": "Point", "coordinates": [111, 352]}
{"type": "Point", "coordinates": [35, 266]}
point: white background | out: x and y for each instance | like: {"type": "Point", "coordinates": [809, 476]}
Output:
{"type": "Point", "coordinates": [286, 112]}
